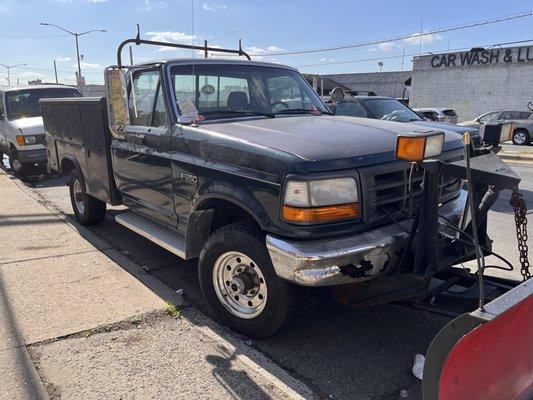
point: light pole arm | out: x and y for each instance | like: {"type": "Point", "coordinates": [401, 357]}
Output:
{"type": "Point", "coordinates": [93, 30]}
{"type": "Point", "coordinates": [57, 26]}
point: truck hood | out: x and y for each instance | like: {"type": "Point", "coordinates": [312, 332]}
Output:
{"type": "Point", "coordinates": [449, 127]}
{"type": "Point", "coordinates": [29, 126]}
{"type": "Point", "coordinates": [319, 138]}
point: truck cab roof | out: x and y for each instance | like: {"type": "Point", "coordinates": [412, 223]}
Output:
{"type": "Point", "coordinates": [215, 61]}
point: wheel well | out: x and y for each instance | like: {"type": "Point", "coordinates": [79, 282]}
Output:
{"type": "Point", "coordinates": [521, 130]}
{"type": "Point", "coordinates": [67, 165]}
{"type": "Point", "coordinates": [225, 213]}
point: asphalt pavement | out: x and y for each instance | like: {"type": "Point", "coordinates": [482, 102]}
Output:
{"type": "Point", "coordinates": [339, 352]}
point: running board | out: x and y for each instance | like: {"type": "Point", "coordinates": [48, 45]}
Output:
{"type": "Point", "coordinates": [164, 237]}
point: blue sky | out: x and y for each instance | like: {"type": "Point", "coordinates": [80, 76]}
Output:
{"type": "Point", "coordinates": [264, 26]}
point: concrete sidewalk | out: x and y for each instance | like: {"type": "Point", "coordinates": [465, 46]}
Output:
{"type": "Point", "coordinates": [93, 327]}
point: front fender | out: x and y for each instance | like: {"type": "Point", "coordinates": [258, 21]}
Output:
{"type": "Point", "coordinates": [238, 195]}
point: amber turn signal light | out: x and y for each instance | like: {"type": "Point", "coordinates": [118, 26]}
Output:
{"type": "Point", "coordinates": [417, 147]}
{"type": "Point", "coordinates": [320, 214]}
{"type": "Point", "coordinates": [20, 140]}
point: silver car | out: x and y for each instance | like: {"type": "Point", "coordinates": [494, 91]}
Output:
{"type": "Point", "coordinates": [523, 132]}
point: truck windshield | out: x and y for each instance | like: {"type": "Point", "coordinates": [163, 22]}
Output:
{"type": "Point", "coordinates": [226, 90]}
{"type": "Point", "coordinates": [25, 103]}
{"type": "Point", "coordinates": [391, 109]}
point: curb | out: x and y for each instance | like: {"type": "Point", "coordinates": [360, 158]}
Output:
{"type": "Point", "coordinates": [516, 157]}
{"type": "Point", "coordinates": [257, 362]}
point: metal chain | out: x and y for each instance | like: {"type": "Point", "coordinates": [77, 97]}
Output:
{"type": "Point", "coordinates": [520, 216]}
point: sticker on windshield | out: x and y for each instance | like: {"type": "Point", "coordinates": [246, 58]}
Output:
{"type": "Point", "coordinates": [208, 89]}
{"type": "Point", "coordinates": [188, 112]}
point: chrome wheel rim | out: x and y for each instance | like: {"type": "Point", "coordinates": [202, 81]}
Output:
{"type": "Point", "coordinates": [520, 137]}
{"type": "Point", "coordinates": [78, 196]}
{"type": "Point", "coordinates": [239, 284]}
{"type": "Point", "coordinates": [17, 166]}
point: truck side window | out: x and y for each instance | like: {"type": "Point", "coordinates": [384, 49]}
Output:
{"type": "Point", "coordinates": [142, 96]}
{"type": "Point", "coordinates": [1, 106]}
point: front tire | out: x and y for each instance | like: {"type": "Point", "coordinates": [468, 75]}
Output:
{"type": "Point", "coordinates": [521, 137]}
{"type": "Point", "coordinates": [240, 285]}
{"type": "Point", "coordinates": [87, 209]}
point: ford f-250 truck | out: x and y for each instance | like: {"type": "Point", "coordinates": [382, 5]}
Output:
{"type": "Point", "coordinates": [241, 165]}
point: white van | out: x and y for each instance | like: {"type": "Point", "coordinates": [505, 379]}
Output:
{"type": "Point", "coordinates": [21, 125]}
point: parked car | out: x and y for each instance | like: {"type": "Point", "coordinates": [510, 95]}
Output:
{"type": "Point", "coordinates": [428, 115]}
{"type": "Point", "coordinates": [249, 172]}
{"type": "Point", "coordinates": [523, 132]}
{"type": "Point", "coordinates": [496, 116]}
{"type": "Point", "coordinates": [387, 108]}
{"type": "Point", "coordinates": [21, 125]}
{"type": "Point", "coordinates": [447, 115]}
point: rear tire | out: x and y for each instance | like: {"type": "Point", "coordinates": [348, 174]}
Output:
{"type": "Point", "coordinates": [240, 285]}
{"type": "Point", "coordinates": [87, 209]}
{"type": "Point", "coordinates": [521, 137]}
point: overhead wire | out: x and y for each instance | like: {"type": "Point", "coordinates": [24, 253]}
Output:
{"type": "Point", "coordinates": [400, 37]}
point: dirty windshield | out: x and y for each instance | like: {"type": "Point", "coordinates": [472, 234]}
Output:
{"type": "Point", "coordinates": [227, 90]}
{"type": "Point", "coordinates": [391, 110]}
{"type": "Point", "coordinates": [25, 103]}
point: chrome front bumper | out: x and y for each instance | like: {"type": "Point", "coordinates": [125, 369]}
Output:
{"type": "Point", "coordinates": [367, 254]}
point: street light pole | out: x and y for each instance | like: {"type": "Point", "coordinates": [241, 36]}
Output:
{"type": "Point", "coordinates": [76, 36]}
{"type": "Point", "coordinates": [8, 67]}
{"type": "Point", "coordinates": [78, 54]}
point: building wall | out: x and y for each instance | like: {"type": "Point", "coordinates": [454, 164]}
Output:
{"type": "Point", "coordinates": [389, 84]}
{"type": "Point", "coordinates": [500, 78]}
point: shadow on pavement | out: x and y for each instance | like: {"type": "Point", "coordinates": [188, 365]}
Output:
{"type": "Point", "coordinates": [25, 376]}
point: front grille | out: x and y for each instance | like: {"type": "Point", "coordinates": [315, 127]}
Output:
{"type": "Point", "coordinates": [386, 189]}
{"type": "Point", "coordinates": [40, 139]}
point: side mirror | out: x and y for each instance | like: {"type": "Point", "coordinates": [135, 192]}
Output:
{"type": "Point", "coordinates": [117, 100]}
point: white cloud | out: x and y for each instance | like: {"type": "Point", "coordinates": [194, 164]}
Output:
{"type": "Point", "coordinates": [387, 46]}
{"type": "Point", "coordinates": [87, 65]}
{"type": "Point", "coordinates": [427, 38]}
{"type": "Point", "coordinates": [149, 5]}
{"type": "Point", "coordinates": [213, 6]}
{"type": "Point", "coordinates": [97, 1]}
{"type": "Point", "coordinates": [259, 51]}
{"type": "Point", "coordinates": [63, 59]}
{"type": "Point", "coordinates": [169, 37]}
{"type": "Point", "coordinates": [28, 74]}
{"type": "Point", "coordinates": [325, 59]}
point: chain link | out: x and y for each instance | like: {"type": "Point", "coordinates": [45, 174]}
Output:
{"type": "Point", "coordinates": [520, 216]}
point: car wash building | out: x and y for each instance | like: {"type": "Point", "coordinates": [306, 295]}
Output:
{"type": "Point", "coordinates": [474, 82]}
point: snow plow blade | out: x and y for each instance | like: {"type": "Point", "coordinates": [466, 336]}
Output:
{"type": "Point", "coordinates": [485, 354]}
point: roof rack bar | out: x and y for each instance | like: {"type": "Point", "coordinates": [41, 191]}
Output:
{"type": "Point", "coordinates": [138, 41]}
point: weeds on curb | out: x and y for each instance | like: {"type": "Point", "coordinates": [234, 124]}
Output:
{"type": "Point", "coordinates": [172, 310]}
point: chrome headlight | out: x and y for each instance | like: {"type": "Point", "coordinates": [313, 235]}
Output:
{"type": "Point", "coordinates": [321, 200]}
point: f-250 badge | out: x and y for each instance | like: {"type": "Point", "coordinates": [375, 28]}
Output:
{"type": "Point", "coordinates": [189, 178]}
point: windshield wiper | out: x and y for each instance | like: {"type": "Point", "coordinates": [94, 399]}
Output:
{"type": "Point", "coordinates": [301, 111]}
{"type": "Point", "coordinates": [241, 112]}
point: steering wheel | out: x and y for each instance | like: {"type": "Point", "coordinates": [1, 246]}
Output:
{"type": "Point", "coordinates": [393, 116]}
{"type": "Point", "coordinates": [283, 103]}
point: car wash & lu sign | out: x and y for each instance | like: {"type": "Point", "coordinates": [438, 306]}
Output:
{"type": "Point", "coordinates": [483, 57]}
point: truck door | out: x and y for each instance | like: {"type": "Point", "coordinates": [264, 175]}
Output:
{"type": "Point", "coordinates": [142, 159]}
